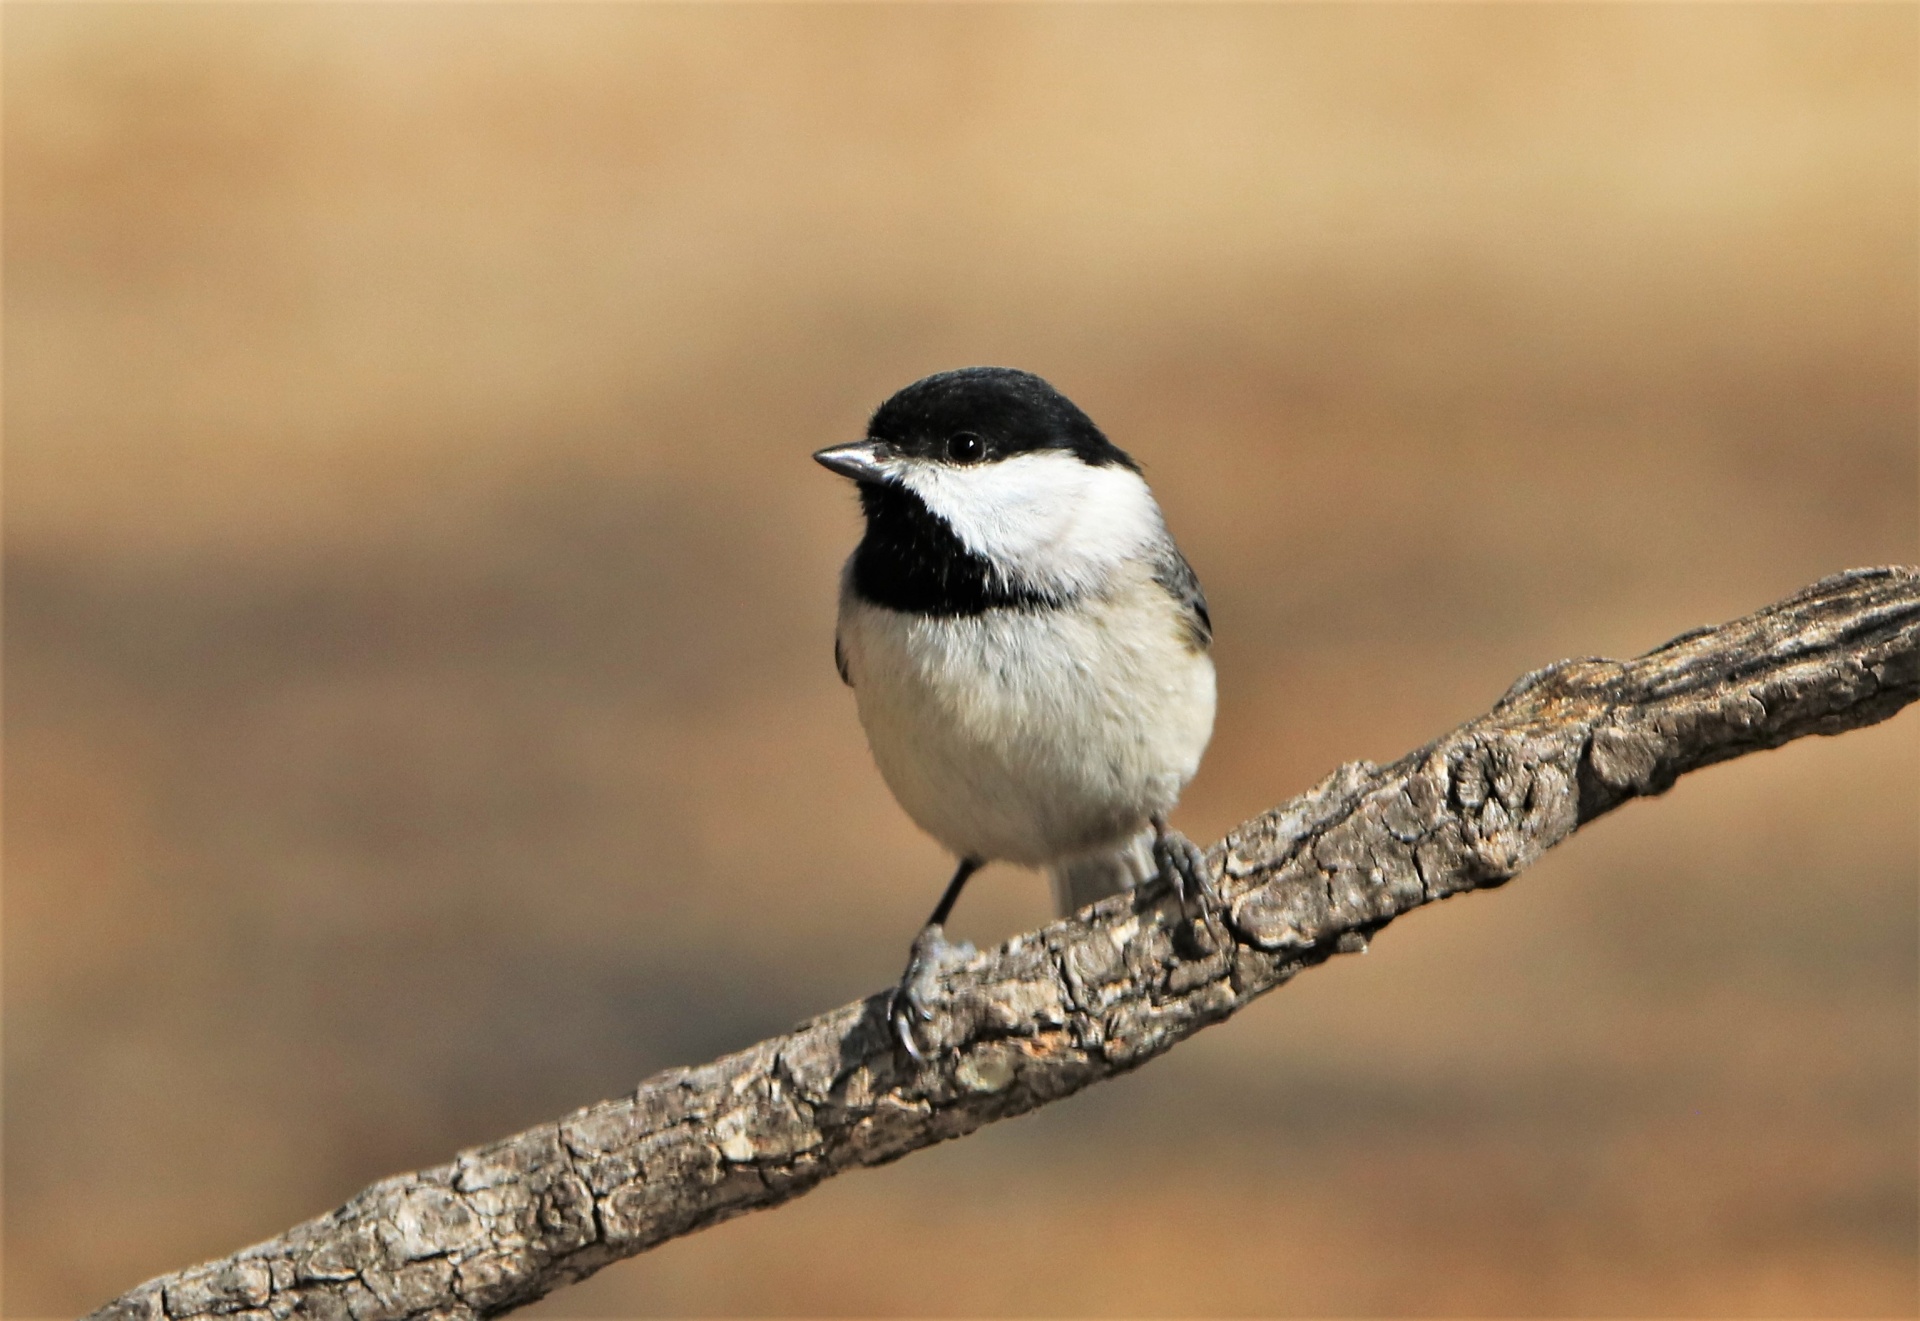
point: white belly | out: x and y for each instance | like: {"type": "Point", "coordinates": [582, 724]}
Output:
{"type": "Point", "coordinates": [1031, 736]}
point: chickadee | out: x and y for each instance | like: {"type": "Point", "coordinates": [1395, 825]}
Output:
{"type": "Point", "coordinates": [1027, 647]}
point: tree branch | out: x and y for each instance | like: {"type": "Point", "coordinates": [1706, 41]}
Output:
{"type": "Point", "coordinates": [1087, 997]}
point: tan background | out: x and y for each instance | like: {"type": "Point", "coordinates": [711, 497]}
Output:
{"type": "Point", "coordinates": [420, 718]}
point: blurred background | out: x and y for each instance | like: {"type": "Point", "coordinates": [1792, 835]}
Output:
{"type": "Point", "coordinates": [419, 703]}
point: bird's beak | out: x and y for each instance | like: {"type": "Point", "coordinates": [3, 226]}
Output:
{"type": "Point", "coordinates": [863, 460]}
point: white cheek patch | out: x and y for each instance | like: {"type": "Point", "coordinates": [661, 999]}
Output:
{"type": "Point", "coordinates": [1045, 520]}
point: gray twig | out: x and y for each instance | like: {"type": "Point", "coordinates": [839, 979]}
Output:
{"type": "Point", "coordinates": [1085, 998]}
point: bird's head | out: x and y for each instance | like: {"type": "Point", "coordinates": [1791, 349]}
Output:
{"type": "Point", "coordinates": [995, 466]}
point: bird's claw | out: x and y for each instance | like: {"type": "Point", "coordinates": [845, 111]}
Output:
{"type": "Point", "coordinates": [1184, 867]}
{"type": "Point", "coordinates": [919, 991]}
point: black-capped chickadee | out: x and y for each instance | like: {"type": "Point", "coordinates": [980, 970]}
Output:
{"type": "Point", "coordinates": [1027, 647]}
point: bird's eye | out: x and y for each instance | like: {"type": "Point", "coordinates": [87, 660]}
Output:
{"type": "Point", "coordinates": [965, 447]}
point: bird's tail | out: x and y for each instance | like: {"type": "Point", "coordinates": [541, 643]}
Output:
{"type": "Point", "coordinates": [1080, 881]}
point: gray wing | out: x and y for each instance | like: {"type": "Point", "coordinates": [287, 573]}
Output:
{"type": "Point", "coordinates": [1172, 572]}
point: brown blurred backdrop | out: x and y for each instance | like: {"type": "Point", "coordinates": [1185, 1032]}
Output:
{"type": "Point", "coordinates": [420, 718]}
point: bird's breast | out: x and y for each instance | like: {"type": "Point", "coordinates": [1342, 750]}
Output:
{"type": "Point", "coordinates": [1030, 734]}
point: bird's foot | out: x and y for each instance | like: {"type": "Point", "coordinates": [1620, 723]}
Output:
{"type": "Point", "coordinates": [1184, 867]}
{"type": "Point", "coordinates": [918, 996]}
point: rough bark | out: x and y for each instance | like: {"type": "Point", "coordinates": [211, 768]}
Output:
{"type": "Point", "coordinates": [1085, 998]}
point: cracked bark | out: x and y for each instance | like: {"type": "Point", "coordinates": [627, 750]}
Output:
{"type": "Point", "coordinates": [1054, 1010]}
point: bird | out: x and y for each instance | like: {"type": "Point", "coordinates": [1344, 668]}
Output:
{"type": "Point", "coordinates": [1029, 651]}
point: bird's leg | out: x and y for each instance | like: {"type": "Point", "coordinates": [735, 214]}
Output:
{"type": "Point", "coordinates": [919, 989]}
{"type": "Point", "coordinates": [1184, 867]}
